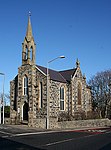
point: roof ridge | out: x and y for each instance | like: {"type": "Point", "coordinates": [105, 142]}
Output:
{"type": "Point", "coordinates": [48, 68]}
{"type": "Point", "coordinates": [67, 70]}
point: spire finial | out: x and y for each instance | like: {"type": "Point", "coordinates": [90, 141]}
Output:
{"type": "Point", "coordinates": [29, 13]}
{"type": "Point", "coordinates": [29, 29]}
{"type": "Point", "coordinates": [84, 76]}
{"type": "Point", "coordinates": [77, 63]}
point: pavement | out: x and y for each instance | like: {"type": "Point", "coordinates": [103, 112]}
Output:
{"type": "Point", "coordinates": [26, 129]}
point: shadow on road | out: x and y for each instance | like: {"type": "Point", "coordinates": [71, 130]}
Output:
{"type": "Point", "coordinates": [106, 147]}
{"type": "Point", "coordinates": [6, 144]}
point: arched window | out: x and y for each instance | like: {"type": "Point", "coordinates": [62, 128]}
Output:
{"type": "Point", "coordinates": [40, 95]}
{"type": "Point", "coordinates": [31, 53]}
{"type": "Point", "coordinates": [79, 94]}
{"type": "Point", "coordinates": [62, 98]}
{"type": "Point", "coordinates": [26, 53]}
{"type": "Point", "coordinates": [25, 85]}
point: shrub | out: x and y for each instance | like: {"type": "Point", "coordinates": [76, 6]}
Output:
{"type": "Point", "coordinates": [64, 116]}
{"type": "Point", "coordinates": [93, 115]}
{"type": "Point", "coordinates": [79, 115]}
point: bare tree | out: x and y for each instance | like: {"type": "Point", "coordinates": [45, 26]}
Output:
{"type": "Point", "coordinates": [101, 92]}
{"type": "Point", "coordinates": [6, 98]}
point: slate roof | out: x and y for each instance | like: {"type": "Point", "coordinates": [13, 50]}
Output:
{"type": "Point", "coordinates": [61, 76]}
{"type": "Point", "coordinates": [67, 74]}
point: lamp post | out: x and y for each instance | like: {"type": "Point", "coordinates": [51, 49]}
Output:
{"type": "Point", "coordinates": [2, 98]}
{"type": "Point", "coordinates": [47, 121]}
{"type": "Point", "coordinates": [110, 97]}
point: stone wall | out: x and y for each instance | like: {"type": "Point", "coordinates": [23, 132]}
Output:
{"type": "Point", "coordinates": [54, 94]}
{"type": "Point", "coordinates": [39, 123]}
{"type": "Point", "coordinates": [81, 102]}
{"type": "Point", "coordinates": [84, 123]}
{"type": "Point", "coordinates": [7, 121]}
{"type": "Point", "coordinates": [54, 124]}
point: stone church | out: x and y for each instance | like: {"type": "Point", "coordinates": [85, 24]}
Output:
{"type": "Point", "coordinates": [33, 103]}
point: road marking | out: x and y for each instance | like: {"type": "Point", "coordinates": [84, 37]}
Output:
{"type": "Point", "coordinates": [5, 133]}
{"type": "Point", "coordinates": [5, 136]}
{"type": "Point", "coordinates": [108, 132]}
{"type": "Point", "coordinates": [67, 140]}
{"type": "Point", "coordinates": [32, 133]}
{"type": "Point", "coordinates": [25, 134]}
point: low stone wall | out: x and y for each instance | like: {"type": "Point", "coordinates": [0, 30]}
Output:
{"type": "Point", "coordinates": [41, 123]}
{"type": "Point", "coordinates": [54, 124]}
{"type": "Point", "coordinates": [84, 123]}
{"type": "Point", "coordinates": [7, 121]}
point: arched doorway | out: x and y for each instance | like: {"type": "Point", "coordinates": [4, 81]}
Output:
{"type": "Point", "coordinates": [25, 111]}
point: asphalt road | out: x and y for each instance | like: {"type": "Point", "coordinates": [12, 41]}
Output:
{"type": "Point", "coordinates": [19, 138]}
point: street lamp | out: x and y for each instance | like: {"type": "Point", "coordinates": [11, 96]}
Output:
{"type": "Point", "coordinates": [47, 121]}
{"type": "Point", "coordinates": [2, 98]}
{"type": "Point", "coordinates": [110, 97]}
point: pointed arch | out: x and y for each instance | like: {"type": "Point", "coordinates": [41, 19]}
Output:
{"type": "Point", "coordinates": [79, 93]}
{"type": "Point", "coordinates": [26, 52]}
{"type": "Point", "coordinates": [62, 98]}
{"type": "Point", "coordinates": [40, 94]}
{"type": "Point", "coordinates": [25, 111]}
{"type": "Point", "coordinates": [31, 53]}
{"type": "Point", "coordinates": [25, 85]}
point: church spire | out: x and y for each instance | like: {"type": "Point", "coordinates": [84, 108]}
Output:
{"type": "Point", "coordinates": [29, 29]}
{"type": "Point", "coordinates": [28, 46]}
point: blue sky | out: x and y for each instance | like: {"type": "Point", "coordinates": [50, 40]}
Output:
{"type": "Point", "coordinates": [73, 28]}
